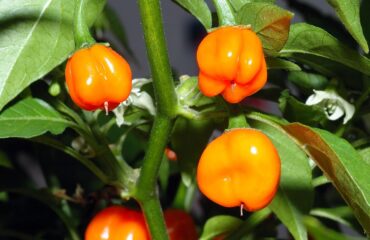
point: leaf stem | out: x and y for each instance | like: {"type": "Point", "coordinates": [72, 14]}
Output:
{"type": "Point", "coordinates": [237, 118]}
{"type": "Point", "coordinates": [121, 172]}
{"type": "Point", "coordinates": [184, 196]}
{"type": "Point", "coordinates": [225, 12]}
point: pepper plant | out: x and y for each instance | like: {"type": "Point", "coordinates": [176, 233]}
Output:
{"type": "Point", "coordinates": [68, 152]}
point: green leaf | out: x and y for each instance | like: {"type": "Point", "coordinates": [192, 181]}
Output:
{"type": "Point", "coordinates": [349, 12]}
{"type": "Point", "coordinates": [319, 232]}
{"type": "Point", "coordinates": [365, 153]}
{"type": "Point", "coordinates": [199, 9]}
{"type": "Point", "coordinates": [278, 63]}
{"type": "Point", "coordinates": [337, 214]}
{"type": "Point", "coordinates": [269, 21]}
{"type": "Point", "coordinates": [295, 195]}
{"type": "Point", "coordinates": [296, 111]}
{"type": "Point", "coordinates": [237, 4]}
{"type": "Point", "coordinates": [4, 160]}
{"type": "Point", "coordinates": [307, 42]}
{"type": "Point", "coordinates": [184, 196]}
{"type": "Point", "coordinates": [29, 118]}
{"type": "Point", "coordinates": [319, 181]}
{"type": "Point", "coordinates": [250, 224]}
{"type": "Point", "coordinates": [189, 94]}
{"type": "Point", "coordinates": [225, 12]}
{"type": "Point", "coordinates": [189, 138]}
{"type": "Point", "coordinates": [308, 81]}
{"type": "Point", "coordinates": [342, 164]}
{"type": "Point", "coordinates": [35, 37]}
{"type": "Point", "coordinates": [218, 225]}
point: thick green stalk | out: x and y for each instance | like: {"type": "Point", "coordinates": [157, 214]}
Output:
{"type": "Point", "coordinates": [81, 31]}
{"type": "Point", "coordinates": [166, 101]}
{"type": "Point", "coordinates": [158, 57]}
{"type": "Point", "coordinates": [146, 191]}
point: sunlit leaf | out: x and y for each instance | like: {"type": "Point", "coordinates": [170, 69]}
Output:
{"type": "Point", "coordinates": [29, 118]}
{"type": "Point", "coordinates": [199, 9]}
{"type": "Point", "coordinates": [278, 63]}
{"type": "Point", "coordinates": [308, 43]}
{"type": "Point", "coordinates": [237, 4]}
{"type": "Point", "coordinates": [35, 37]}
{"type": "Point", "coordinates": [225, 12]}
{"type": "Point", "coordinates": [349, 12]}
{"type": "Point", "coordinates": [218, 225]}
{"type": "Point", "coordinates": [295, 195]}
{"type": "Point", "coordinates": [269, 21]}
{"type": "Point", "coordinates": [342, 164]}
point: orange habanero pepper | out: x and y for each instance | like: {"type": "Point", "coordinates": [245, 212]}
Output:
{"type": "Point", "coordinates": [117, 223]}
{"type": "Point", "coordinates": [231, 63]}
{"type": "Point", "coordinates": [240, 168]}
{"type": "Point", "coordinates": [98, 78]}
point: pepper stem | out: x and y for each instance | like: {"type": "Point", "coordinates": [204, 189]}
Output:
{"type": "Point", "coordinates": [106, 108]}
{"type": "Point", "coordinates": [236, 117]}
{"type": "Point", "coordinates": [81, 30]}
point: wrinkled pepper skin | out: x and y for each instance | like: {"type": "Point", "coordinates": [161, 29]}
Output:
{"type": "Point", "coordinates": [98, 78]}
{"type": "Point", "coordinates": [121, 223]}
{"type": "Point", "coordinates": [240, 168]}
{"type": "Point", "coordinates": [231, 62]}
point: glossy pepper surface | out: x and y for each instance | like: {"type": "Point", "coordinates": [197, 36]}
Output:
{"type": "Point", "coordinates": [117, 223]}
{"type": "Point", "coordinates": [180, 225]}
{"type": "Point", "coordinates": [98, 78]}
{"type": "Point", "coordinates": [231, 62]}
{"type": "Point", "coordinates": [240, 168]}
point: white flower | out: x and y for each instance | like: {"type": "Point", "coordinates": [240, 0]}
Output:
{"type": "Point", "coordinates": [333, 105]}
{"type": "Point", "coordinates": [137, 98]}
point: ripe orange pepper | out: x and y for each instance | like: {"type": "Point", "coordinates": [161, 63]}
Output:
{"type": "Point", "coordinates": [231, 63]}
{"type": "Point", "coordinates": [240, 168]}
{"type": "Point", "coordinates": [120, 223]}
{"type": "Point", "coordinates": [98, 78]}
{"type": "Point", "coordinates": [117, 223]}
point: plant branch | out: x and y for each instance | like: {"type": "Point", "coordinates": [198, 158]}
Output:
{"type": "Point", "coordinates": [164, 88]}
{"type": "Point", "coordinates": [146, 191]}
{"type": "Point", "coordinates": [81, 31]}
{"type": "Point", "coordinates": [167, 106]}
